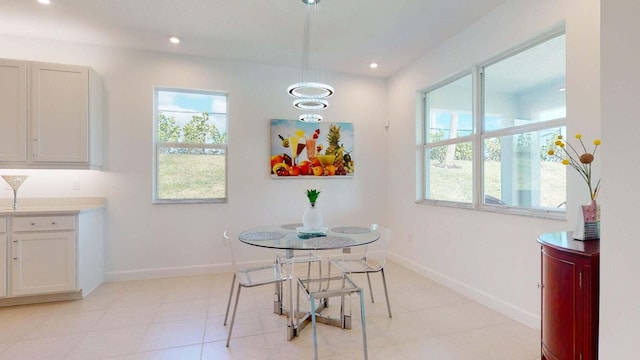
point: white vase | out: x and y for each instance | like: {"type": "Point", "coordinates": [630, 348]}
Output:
{"type": "Point", "coordinates": [312, 218]}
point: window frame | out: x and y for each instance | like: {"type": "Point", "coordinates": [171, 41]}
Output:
{"type": "Point", "coordinates": [157, 146]}
{"type": "Point", "coordinates": [478, 137]}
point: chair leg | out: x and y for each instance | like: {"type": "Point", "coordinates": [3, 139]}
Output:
{"type": "Point", "coordinates": [233, 316]}
{"type": "Point", "coordinates": [298, 297]}
{"type": "Point", "coordinates": [364, 326]}
{"type": "Point", "coordinates": [313, 325]}
{"type": "Point", "coordinates": [343, 320]}
{"type": "Point", "coordinates": [386, 294]}
{"type": "Point", "coordinates": [320, 275]}
{"type": "Point", "coordinates": [370, 289]}
{"type": "Point", "coordinates": [328, 274]}
{"type": "Point", "coordinates": [233, 283]}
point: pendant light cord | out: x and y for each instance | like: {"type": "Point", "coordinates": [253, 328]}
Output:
{"type": "Point", "coordinates": [306, 40]}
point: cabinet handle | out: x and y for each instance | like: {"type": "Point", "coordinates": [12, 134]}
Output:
{"type": "Point", "coordinates": [15, 241]}
{"type": "Point", "coordinates": [53, 223]}
{"type": "Point", "coordinates": [35, 148]}
{"type": "Point", "coordinates": [33, 224]}
{"type": "Point", "coordinates": [15, 258]}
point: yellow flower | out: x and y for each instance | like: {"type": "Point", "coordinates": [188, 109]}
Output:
{"type": "Point", "coordinates": [578, 158]}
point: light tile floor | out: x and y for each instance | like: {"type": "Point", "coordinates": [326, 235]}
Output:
{"type": "Point", "coordinates": [181, 318]}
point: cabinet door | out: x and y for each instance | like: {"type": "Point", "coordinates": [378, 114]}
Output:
{"type": "Point", "coordinates": [3, 264]}
{"type": "Point", "coordinates": [559, 301]}
{"type": "Point", "coordinates": [13, 110]}
{"type": "Point", "coordinates": [3, 258]}
{"type": "Point", "coordinates": [60, 113]}
{"type": "Point", "coordinates": [42, 262]}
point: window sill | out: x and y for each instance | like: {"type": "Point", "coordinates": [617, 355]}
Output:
{"type": "Point", "coordinates": [506, 210]}
{"type": "Point", "coordinates": [189, 201]}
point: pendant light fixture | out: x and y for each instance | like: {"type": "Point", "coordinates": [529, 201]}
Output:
{"type": "Point", "coordinates": [309, 95]}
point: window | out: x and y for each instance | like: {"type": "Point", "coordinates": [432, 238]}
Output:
{"type": "Point", "coordinates": [485, 133]}
{"type": "Point", "coordinates": [190, 155]}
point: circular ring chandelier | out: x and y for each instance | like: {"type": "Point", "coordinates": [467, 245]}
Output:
{"type": "Point", "coordinates": [310, 104]}
{"type": "Point", "coordinates": [310, 118]}
{"type": "Point", "coordinates": [309, 95]}
{"type": "Point", "coordinates": [310, 90]}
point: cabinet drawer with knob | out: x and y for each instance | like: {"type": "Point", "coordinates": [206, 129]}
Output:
{"type": "Point", "coordinates": [43, 223]}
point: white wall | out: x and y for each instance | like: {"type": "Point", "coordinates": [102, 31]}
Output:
{"type": "Point", "coordinates": [493, 258]}
{"type": "Point", "coordinates": [619, 265]}
{"type": "Point", "coordinates": [150, 240]}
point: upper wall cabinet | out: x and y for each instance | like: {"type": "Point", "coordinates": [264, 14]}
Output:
{"type": "Point", "coordinates": [50, 115]}
{"type": "Point", "coordinates": [13, 111]}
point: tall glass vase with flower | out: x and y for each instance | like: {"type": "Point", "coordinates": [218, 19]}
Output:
{"type": "Point", "coordinates": [312, 217]}
{"type": "Point", "coordinates": [588, 226]}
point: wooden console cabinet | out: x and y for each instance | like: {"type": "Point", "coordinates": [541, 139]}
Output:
{"type": "Point", "coordinates": [570, 292]}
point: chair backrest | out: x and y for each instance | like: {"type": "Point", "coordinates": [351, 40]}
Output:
{"type": "Point", "coordinates": [376, 252]}
{"type": "Point", "coordinates": [228, 244]}
{"type": "Point", "coordinates": [252, 273]}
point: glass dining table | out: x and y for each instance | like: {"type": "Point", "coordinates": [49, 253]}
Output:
{"type": "Point", "coordinates": [291, 238]}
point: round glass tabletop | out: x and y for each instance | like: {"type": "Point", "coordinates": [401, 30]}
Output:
{"type": "Point", "coordinates": [294, 237]}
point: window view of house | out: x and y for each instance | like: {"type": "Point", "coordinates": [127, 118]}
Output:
{"type": "Point", "coordinates": [522, 97]}
{"type": "Point", "coordinates": [190, 147]}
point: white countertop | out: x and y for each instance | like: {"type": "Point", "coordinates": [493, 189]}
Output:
{"type": "Point", "coordinates": [27, 206]}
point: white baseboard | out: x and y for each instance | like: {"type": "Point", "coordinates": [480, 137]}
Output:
{"type": "Point", "coordinates": [527, 318]}
{"type": "Point", "coordinates": [165, 272]}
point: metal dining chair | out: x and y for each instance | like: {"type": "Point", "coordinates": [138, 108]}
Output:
{"type": "Point", "coordinates": [307, 258]}
{"type": "Point", "coordinates": [248, 277]}
{"type": "Point", "coordinates": [372, 260]}
{"type": "Point", "coordinates": [339, 285]}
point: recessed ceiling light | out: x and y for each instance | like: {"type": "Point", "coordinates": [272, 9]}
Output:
{"type": "Point", "coordinates": [562, 89]}
{"type": "Point", "coordinates": [44, 2]}
{"type": "Point", "coordinates": [174, 39]}
{"type": "Point", "coordinates": [373, 65]}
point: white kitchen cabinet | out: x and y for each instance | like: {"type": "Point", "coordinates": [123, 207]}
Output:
{"type": "Point", "coordinates": [13, 111]}
{"type": "Point", "coordinates": [51, 256]}
{"type": "Point", "coordinates": [42, 254]}
{"type": "Point", "coordinates": [54, 117]}
{"type": "Point", "coordinates": [3, 257]}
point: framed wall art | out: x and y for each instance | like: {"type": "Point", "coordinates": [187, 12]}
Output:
{"type": "Point", "coordinates": [300, 149]}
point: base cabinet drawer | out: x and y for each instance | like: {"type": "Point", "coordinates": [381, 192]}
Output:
{"type": "Point", "coordinates": [42, 262]}
{"type": "Point", "coordinates": [43, 223]}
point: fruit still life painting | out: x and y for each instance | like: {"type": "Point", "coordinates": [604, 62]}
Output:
{"type": "Point", "coordinates": [311, 149]}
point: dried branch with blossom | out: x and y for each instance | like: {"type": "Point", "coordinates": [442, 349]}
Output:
{"type": "Point", "coordinates": [579, 160]}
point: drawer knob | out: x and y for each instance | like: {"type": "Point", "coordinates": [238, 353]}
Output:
{"type": "Point", "coordinates": [15, 258]}
{"type": "Point", "coordinates": [33, 224]}
{"type": "Point", "coordinates": [53, 223]}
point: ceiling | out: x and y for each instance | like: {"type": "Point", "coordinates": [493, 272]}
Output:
{"type": "Point", "coordinates": [346, 34]}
